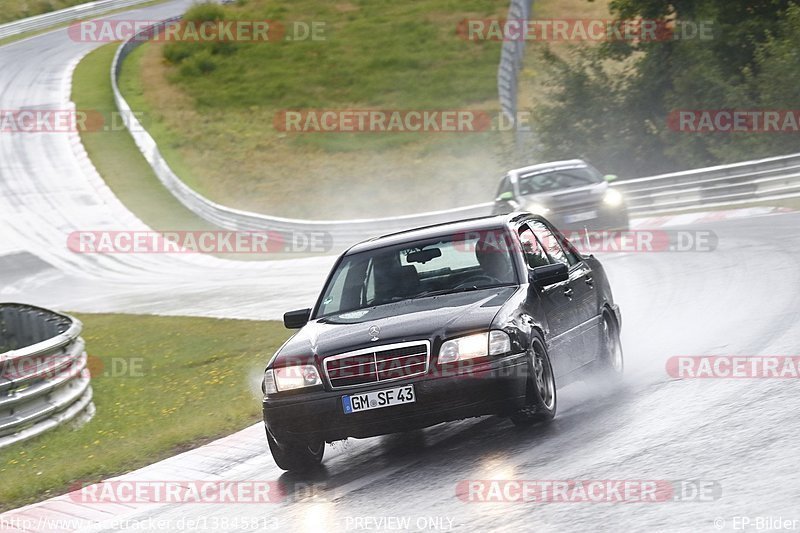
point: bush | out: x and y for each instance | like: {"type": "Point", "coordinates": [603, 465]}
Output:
{"type": "Point", "coordinates": [611, 103]}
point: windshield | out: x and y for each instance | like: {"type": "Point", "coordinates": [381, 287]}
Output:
{"type": "Point", "coordinates": [558, 179]}
{"type": "Point", "coordinates": [450, 263]}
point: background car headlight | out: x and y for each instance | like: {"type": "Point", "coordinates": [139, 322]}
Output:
{"type": "Point", "coordinates": [291, 377]}
{"type": "Point", "coordinates": [493, 342]}
{"type": "Point", "coordinates": [613, 198]}
{"type": "Point", "coordinates": [537, 208]}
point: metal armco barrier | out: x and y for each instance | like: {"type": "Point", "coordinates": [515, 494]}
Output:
{"type": "Point", "coordinates": [70, 14]}
{"type": "Point", "coordinates": [773, 178]}
{"type": "Point", "coordinates": [44, 381]}
{"type": "Point", "coordinates": [720, 186]}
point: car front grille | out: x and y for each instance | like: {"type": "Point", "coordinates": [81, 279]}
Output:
{"type": "Point", "coordinates": [378, 364]}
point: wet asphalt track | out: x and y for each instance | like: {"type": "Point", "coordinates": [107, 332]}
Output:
{"type": "Point", "coordinates": [737, 435]}
{"type": "Point", "coordinates": [47, 192]}
{"type": "Point", "coordinates": [740, 299]}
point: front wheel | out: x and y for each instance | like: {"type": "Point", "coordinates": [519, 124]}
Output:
{"type": "Point", "coordinates": [298, 457]}
{"type": "Point", "coordinates": [541, 396]}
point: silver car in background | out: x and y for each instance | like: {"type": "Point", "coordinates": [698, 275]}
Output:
{"type": "Point", "coordinates": [572, 194]}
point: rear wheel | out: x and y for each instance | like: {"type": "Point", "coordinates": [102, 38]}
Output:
{"type": "Point", "coordinates": [612, 362]}
{"type": "Point", "coordinates": [298, 457]}
{"type": "Point", "coordinates": [541, 395]}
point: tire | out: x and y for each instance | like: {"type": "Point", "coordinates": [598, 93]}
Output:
{"type": "Point", "coordinates": [541, 394]}
{"type": "Point", "coordinates": [612, 361]}
{"type": "Point", "coordinates": [297, 457]}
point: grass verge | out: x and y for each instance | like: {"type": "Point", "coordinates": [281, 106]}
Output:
{"type": "Point", "coordinates": [188, 381]}
{"type": "Point", "coordinates": [116, 156]}
{"type": "Point", "coordinates": [211, 107]}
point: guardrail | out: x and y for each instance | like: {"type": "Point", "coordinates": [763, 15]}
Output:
{"type": "Point", "coordinates": [772, 178]}
{"type": "Point", "coordinates": [70, 14]}
{"type": "Point", "coordinates": [719, 186]}
{"type": "Point", "coordinates": [44, 381]}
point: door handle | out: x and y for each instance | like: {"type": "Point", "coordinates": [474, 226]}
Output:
{"type": "Point", "coordinates": [568, 292]}
{"type": "Point", "coordinates": [589, 280]}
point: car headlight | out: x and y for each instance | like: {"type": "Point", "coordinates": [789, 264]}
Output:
{"type": "Point", "coordinates": [537, 208]}
{"type": "Point", "coordinates": [290, 377]}
{"type": "Point", "coordinates": [493, 342]}
{"type": "Point", "coordinates": [613, 198]}
{"type": "Point", "coordinates": [268, 386]}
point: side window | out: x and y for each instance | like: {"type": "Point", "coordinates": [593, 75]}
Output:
{"type": "Point", "coordinates": [553, 244]}
{"type": "Point", "coordinates": [534, 255]}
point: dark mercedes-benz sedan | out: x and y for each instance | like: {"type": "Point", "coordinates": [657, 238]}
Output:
{"type": "Point", "coordinates": [573, 195]}
{"type": "Point", "coordinates": [479, 317]}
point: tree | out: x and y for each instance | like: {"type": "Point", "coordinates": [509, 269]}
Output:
{"type": "Point", "coordinates": [611, 102]}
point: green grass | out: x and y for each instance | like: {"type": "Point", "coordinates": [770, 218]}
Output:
{"type": "Point", "coordinates": [116, 156]}
{"type": "Point", "coordinates": [212, 107]}
{"type": "Point", "coordinates": [200, 381]}
{"type": "Point", "coordinates": [374, 53]}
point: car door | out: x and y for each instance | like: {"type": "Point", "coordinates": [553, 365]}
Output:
{"type": "Point", "coordinates": [579, 291]}
{"type": "Point", "coordinates": [553, 303]}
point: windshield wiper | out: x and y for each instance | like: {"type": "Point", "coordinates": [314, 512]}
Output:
{"type": "Point", "coordinates": [460, 289]}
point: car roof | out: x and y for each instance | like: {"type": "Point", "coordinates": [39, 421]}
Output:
{"type": "Point", "coordinates": [547, 167]}
{"type": "Point", "coordinates": [447, 228]}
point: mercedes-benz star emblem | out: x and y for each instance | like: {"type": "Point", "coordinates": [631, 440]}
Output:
{"type": "Point", "coordinates": [374, 331]}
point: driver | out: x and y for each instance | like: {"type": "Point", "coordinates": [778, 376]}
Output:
{"type": "Point", "coordinates": [495, 261]}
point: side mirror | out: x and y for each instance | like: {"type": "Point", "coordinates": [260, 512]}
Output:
{"type": "Point", "coordinates": [506, 196]}
{"type": "Point", "coordinates": [296, 319]}
{"type": "Point", "coordinates": [547, 275]}
{"type": "Point", "coordinates": [610, 177]}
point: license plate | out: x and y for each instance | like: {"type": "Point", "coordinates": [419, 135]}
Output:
{"type": "Point", "coordinates": [580, 217]}
{"type": "Point", "coordinates": [354, 403]}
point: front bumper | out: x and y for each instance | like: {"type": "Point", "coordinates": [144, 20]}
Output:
{"type": "Point", "coordinates": [495, 387]}
{"type": "Point", "coordinates": [606, 219]}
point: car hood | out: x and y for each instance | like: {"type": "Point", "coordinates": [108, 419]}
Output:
{"type": "Point", "coordinates": [432, 318]}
